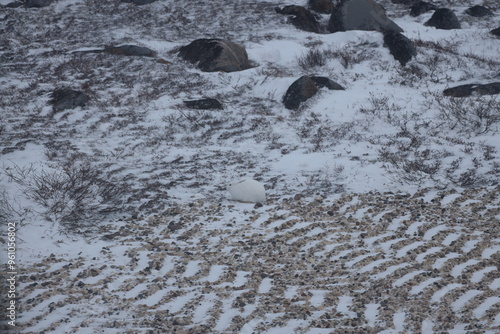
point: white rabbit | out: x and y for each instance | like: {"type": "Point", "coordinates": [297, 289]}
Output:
{"type": "Point", "coordinates": [247, 191]}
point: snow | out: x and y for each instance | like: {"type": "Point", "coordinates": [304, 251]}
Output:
{"type": "Point", "coordinates": [345, 302]}
{"type": "Point", "coordinates": [478, 275]}
{"type": "Point", "coordinates": [485, 306]}
{"type": "Point", "coordinates": [136, 130]}
{"type": "Point", "coordinates": [215, 272]}
{"type": "Point", "coordinates": [425, 284]}
{"type": "Point", "coordinates": [266, 285]}
{"type": "Point", "coordinates": [458, 269]}
{"type": "Point", "coordinates": [371, 313]}
{"type": "Point", "coordinates": [436, 297]}
{"type": "Point", "coordinates": [465, 298]}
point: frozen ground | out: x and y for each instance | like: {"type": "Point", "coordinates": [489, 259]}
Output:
{"type": "Point", "coordinates": [383, 205]}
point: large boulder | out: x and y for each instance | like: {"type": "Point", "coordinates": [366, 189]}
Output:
{"type": "Point", "coordinates": [421, 7]}
{"type": "Point", "coordinates": [472, 89]}
{"type": "Point", "coordinates": [306, 87]}
{"type": "Point", "coordinates": [321, 6]}
{"type": "Point", "coordinates": [444, 18]}
{"type": "Point", "coordinates": [65, 98]}
{"type": "Point", "coordinates": [400, 46]}
{"type": "Point", "coordinates": [360, 15]}
{"type": "Point", "coordinates": [212, 55]}
{"type": "Point", "coordinates": [479, 11]}
{"type": "Point", "coordinates": [302, 18]}
{"type": "Point", "coordinates": [37, 3]}
{"type": "Point", "coordinates": [496, 32]}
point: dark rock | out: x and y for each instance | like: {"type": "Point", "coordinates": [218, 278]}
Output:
{"type": "Point", "coordinates": [139, 2]}
{"type": "Point", "coordinates": [400, 46]}
{"type": "Point", "coordinates": [488, 89]}
{"type": "Point", "coordinates": [16, 4]}
{"type": "Point", "coordinates": [213, 55]}
{"type": "Point", "coordinates": [460, 91]}
{"type": "Point", "coordinates": [64, 98]}
{"type": "Point", "coordinates": [302, 18]}
{"type": "Point", "coordinates": [204, 104]}
{"type": "Point", "coordinates": [479, 11]}
{"type": "Point", "coordinates": [306, 87]}
{"type": "Point", "coordinates": [301, 90]}
{"type": "Point", "coordinates": [323, 82]}
{"type": "Point", "coordinates": [444, 18]}
{"type": "Point", "coordinates": [421, 7]}
{"type": "Point", "coordinates": [471, 89]}
{"type": "Point", "coordinates": [37, 3]}
{"type": "Point", "coordinates": [496, 32]}
{"type": "Point", "coordinates": [321, 6]}
{"type": "Point", "coordinates": [360, 15]}
{"type": "Point", "coordinates": [130, 50]}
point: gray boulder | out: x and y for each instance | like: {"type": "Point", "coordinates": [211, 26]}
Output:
{"type": "Point", "coordinates": [212, 55]}
{"type": "Point", "coordinates": [139, 2]}
{"type": "Point", "coordinates": [421, 7]}
{"type": "Point", "coordinates": [204, 104]}
{"type": "Point", "coordinates": [360, 15]}
{"type": "Point", "coordinates": [444, 18]}
{"type": "Point", "coordinates": [400, 46]}
{"type": "Point", "coordinates": [496, 32]}
{"type": "Point", "coordinates": [479, 11]}
{"type": "Point", "coordinates": [65, 98]}
{"type": "Point", "coordinates": [306, 87]}
{"type": "Point", "coordinates": [321, 6]}
{"type": "Point", "coordinates": [37, 3]}
{"type": "Point", "coordinates": [130, 50]}
{"type": "Point", "coordinates": [302, 18]}
{"type": "Point", "coordinates": [472, 89]}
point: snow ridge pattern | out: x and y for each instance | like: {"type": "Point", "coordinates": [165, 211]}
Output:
{"type": "Point", "coordinates": [363, 263]}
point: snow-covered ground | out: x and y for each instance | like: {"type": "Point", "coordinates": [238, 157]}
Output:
{"type": "Point", "coordinates": [382, 211]}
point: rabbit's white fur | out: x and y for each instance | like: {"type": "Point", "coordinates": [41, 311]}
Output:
{"type": "Point", "coordinates": [247, 191]}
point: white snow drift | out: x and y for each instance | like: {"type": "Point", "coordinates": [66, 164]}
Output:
{"type": "Point", "coordinates": [247, 191]}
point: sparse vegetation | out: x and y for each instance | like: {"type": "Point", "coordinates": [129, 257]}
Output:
{"type": "Point", "coordinates": [312, 59]}
{"type": "Point", "coordinates": [74, 194]}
